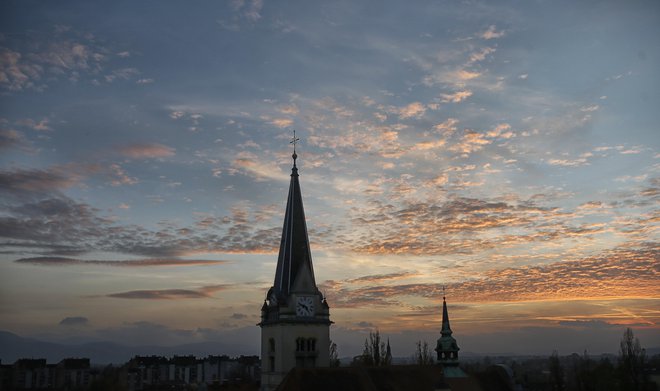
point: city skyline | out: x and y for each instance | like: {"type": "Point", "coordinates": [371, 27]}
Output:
{"type": "Point", "coordinates": [507, 153]}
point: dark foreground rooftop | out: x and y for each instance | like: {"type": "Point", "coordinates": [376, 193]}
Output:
{"type": "Point", "coordinates": [391, 378]}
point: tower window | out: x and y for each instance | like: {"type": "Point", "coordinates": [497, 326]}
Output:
{"type": "Point", "coordinates": [271, 354]}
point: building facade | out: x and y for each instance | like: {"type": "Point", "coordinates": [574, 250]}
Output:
{"type": "Point", "coordinates": [295, 317]}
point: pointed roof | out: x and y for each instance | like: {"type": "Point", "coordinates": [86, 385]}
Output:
{"type": "Point", "coordinates": [446, 347]}
{"type": "Point", "coordinates": [295, 258]}
{"type": "Point", "coordinates": [446, 329]}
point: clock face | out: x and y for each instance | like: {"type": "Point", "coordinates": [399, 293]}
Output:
{"type": "Point", "coordinates": [305, 306]}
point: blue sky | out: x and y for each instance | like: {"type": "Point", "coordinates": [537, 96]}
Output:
{"type": "Point", "coordinates": [507, 151]}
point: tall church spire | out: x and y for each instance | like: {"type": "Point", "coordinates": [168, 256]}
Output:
{"type": "Point", "coordinates": [446, 329]}
{"type": "Point", "coordinates": [447, 348]}
{"type": "Point", "coordinates": [295, 257]}
{"type": "Point", "coordinates": [295, 317]}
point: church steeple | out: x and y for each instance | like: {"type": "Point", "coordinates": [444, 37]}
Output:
{"type": "Point", "coordinates": [295, 257]}
{"type": "Point", "coordinates": [447, 348]}
{"type": "Point", "coordinates": [295, 317]}
{"type": "Point", "coordinates": [446, 329]}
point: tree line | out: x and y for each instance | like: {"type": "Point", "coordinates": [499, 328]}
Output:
{"type": "Point", "coordinates": [631, 370]}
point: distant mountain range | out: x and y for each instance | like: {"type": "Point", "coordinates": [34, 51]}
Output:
{"type": "Point", "coordinates": [14, 347]}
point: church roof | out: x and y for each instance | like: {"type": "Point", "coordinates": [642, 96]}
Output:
{"type": "Point", "coordinates": [446, 329]}
{"type": "Point", "coordinates": [295, 257]}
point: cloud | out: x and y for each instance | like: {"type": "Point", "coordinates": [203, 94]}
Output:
{"type": "Point", "coordinates": [10, 138]}
{"type": "Point", "coordinates": [62, 261]}
{"type": "Point", "coordinates": [413, 110]}
{"type": "Point", "coordinates": [467, 225]}
{"type": "Point", "coordinates": [492, 33]}
{"type": "Point", "coordinates": [51, 180]}
{"type": "Point", "coordinates": [53, 220]}
{"type": "Point", "coordinates": [447, 127]}
{"type": "Point", "coordinates": [282, 122]}
{"type": "Point", "coordinates": [588, 324]}
{"type": "Point", "coordinates": [623, 272]}
{"type": "Point", "coordinates": [480, 55]}
{"type": "Point", "coordinates": [470, 142]}
{"type": "Point", "coordinates": [58, 225]}
{"type": "Point", "coordinates": [289, 109]}
{"type": "Point", "coordinates": [62, 55]}
{"type": "Point", "coordinates": [74, 321]}
{"type": "Point", "coordinates": [121, 74]}
{"type": "Point", "coordinates": [581, 161]}
{"type": "Point", "coordinates": [464, 75]}
{"type": "Point", "coordinates": [253, 165]}
{"type": "Point", "coordinates": [501, 131]}
{"type": "Point", "coordinates": [55, 178]}
{"type": "Point", "coordinates": [163, 294]}
{"type": "Point", "coordinates": [41, 125]}
{"type": "Point", "coordinates": [368, 138]}
{"type": "Point", "coordinates": [177, 114]}
{"type": "Point", "coordinates": [439, 180]}
{"type": "Point", "coordinates": [250, 9]}
{"type": "Point", "coordinates": [457, 96]}
{"type": "Point", "coordinates": [17, 74]}
{"type": "Point", "coordinates": [169, 294]}
{"type": "Point", "coordinates": [146, 151]}
{"type": "Point", "coordinates": [427, 145]}
{"type": "Point", "coordinates": [589, 108]}
{"type": "Point", "coordinates": [119, 176]}
{"type": "Point", "coordinates": [381, 277]}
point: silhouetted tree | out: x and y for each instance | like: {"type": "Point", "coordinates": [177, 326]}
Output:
{"type": "Point", "coordinates": [375, 351]}
{"type": "Point", "coordinates": [422, 355]}
{"type": "Point", "coordinates": [631, 362]}
{"type": "Point", "coordinates": [334, 355]}
{"type": "Point", "coordinates": [556, 372]}
{"type": "Point", "coordinates": [388, 354]}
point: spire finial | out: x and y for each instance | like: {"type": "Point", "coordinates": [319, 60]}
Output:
{"type": "Point", "coordinates": [443, 293]}
{"type": "Point", "coordinates": [293, 141]}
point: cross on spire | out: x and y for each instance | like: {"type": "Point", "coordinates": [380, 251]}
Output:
{"type": "Point", "coordinates": [294, 141]}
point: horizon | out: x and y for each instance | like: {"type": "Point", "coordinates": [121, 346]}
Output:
{"type": "Point", "coordinates": [97, 352]}
{"type": "Point", "coordinates": [506, 154]}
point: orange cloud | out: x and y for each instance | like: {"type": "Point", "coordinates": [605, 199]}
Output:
{"type": "Point", "coordinates": [170, 294]}
{"type": "Point", "coordinates": [492, 33]}
{"type": "Point", "coordinates": [61, 261]}
{"type": "Point", "coordinates": [282, 122]}
{"type": "Point", "coordinates": [146, 151]}
{"type": "Point", "coordinates": [413, 110]}
{"type": "Point", "coordinates": [457, 96]}
{"type": "Point", "coordinates": [618, 273]}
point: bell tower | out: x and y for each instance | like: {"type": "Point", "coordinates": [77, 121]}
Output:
{"type": "Point", "coordinates": [295, 317]}
{"type": "Point", "coordinates": [447, 348]}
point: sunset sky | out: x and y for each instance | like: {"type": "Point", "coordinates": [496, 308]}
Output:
{"type": "Point", "coordinates": [508, 151]}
